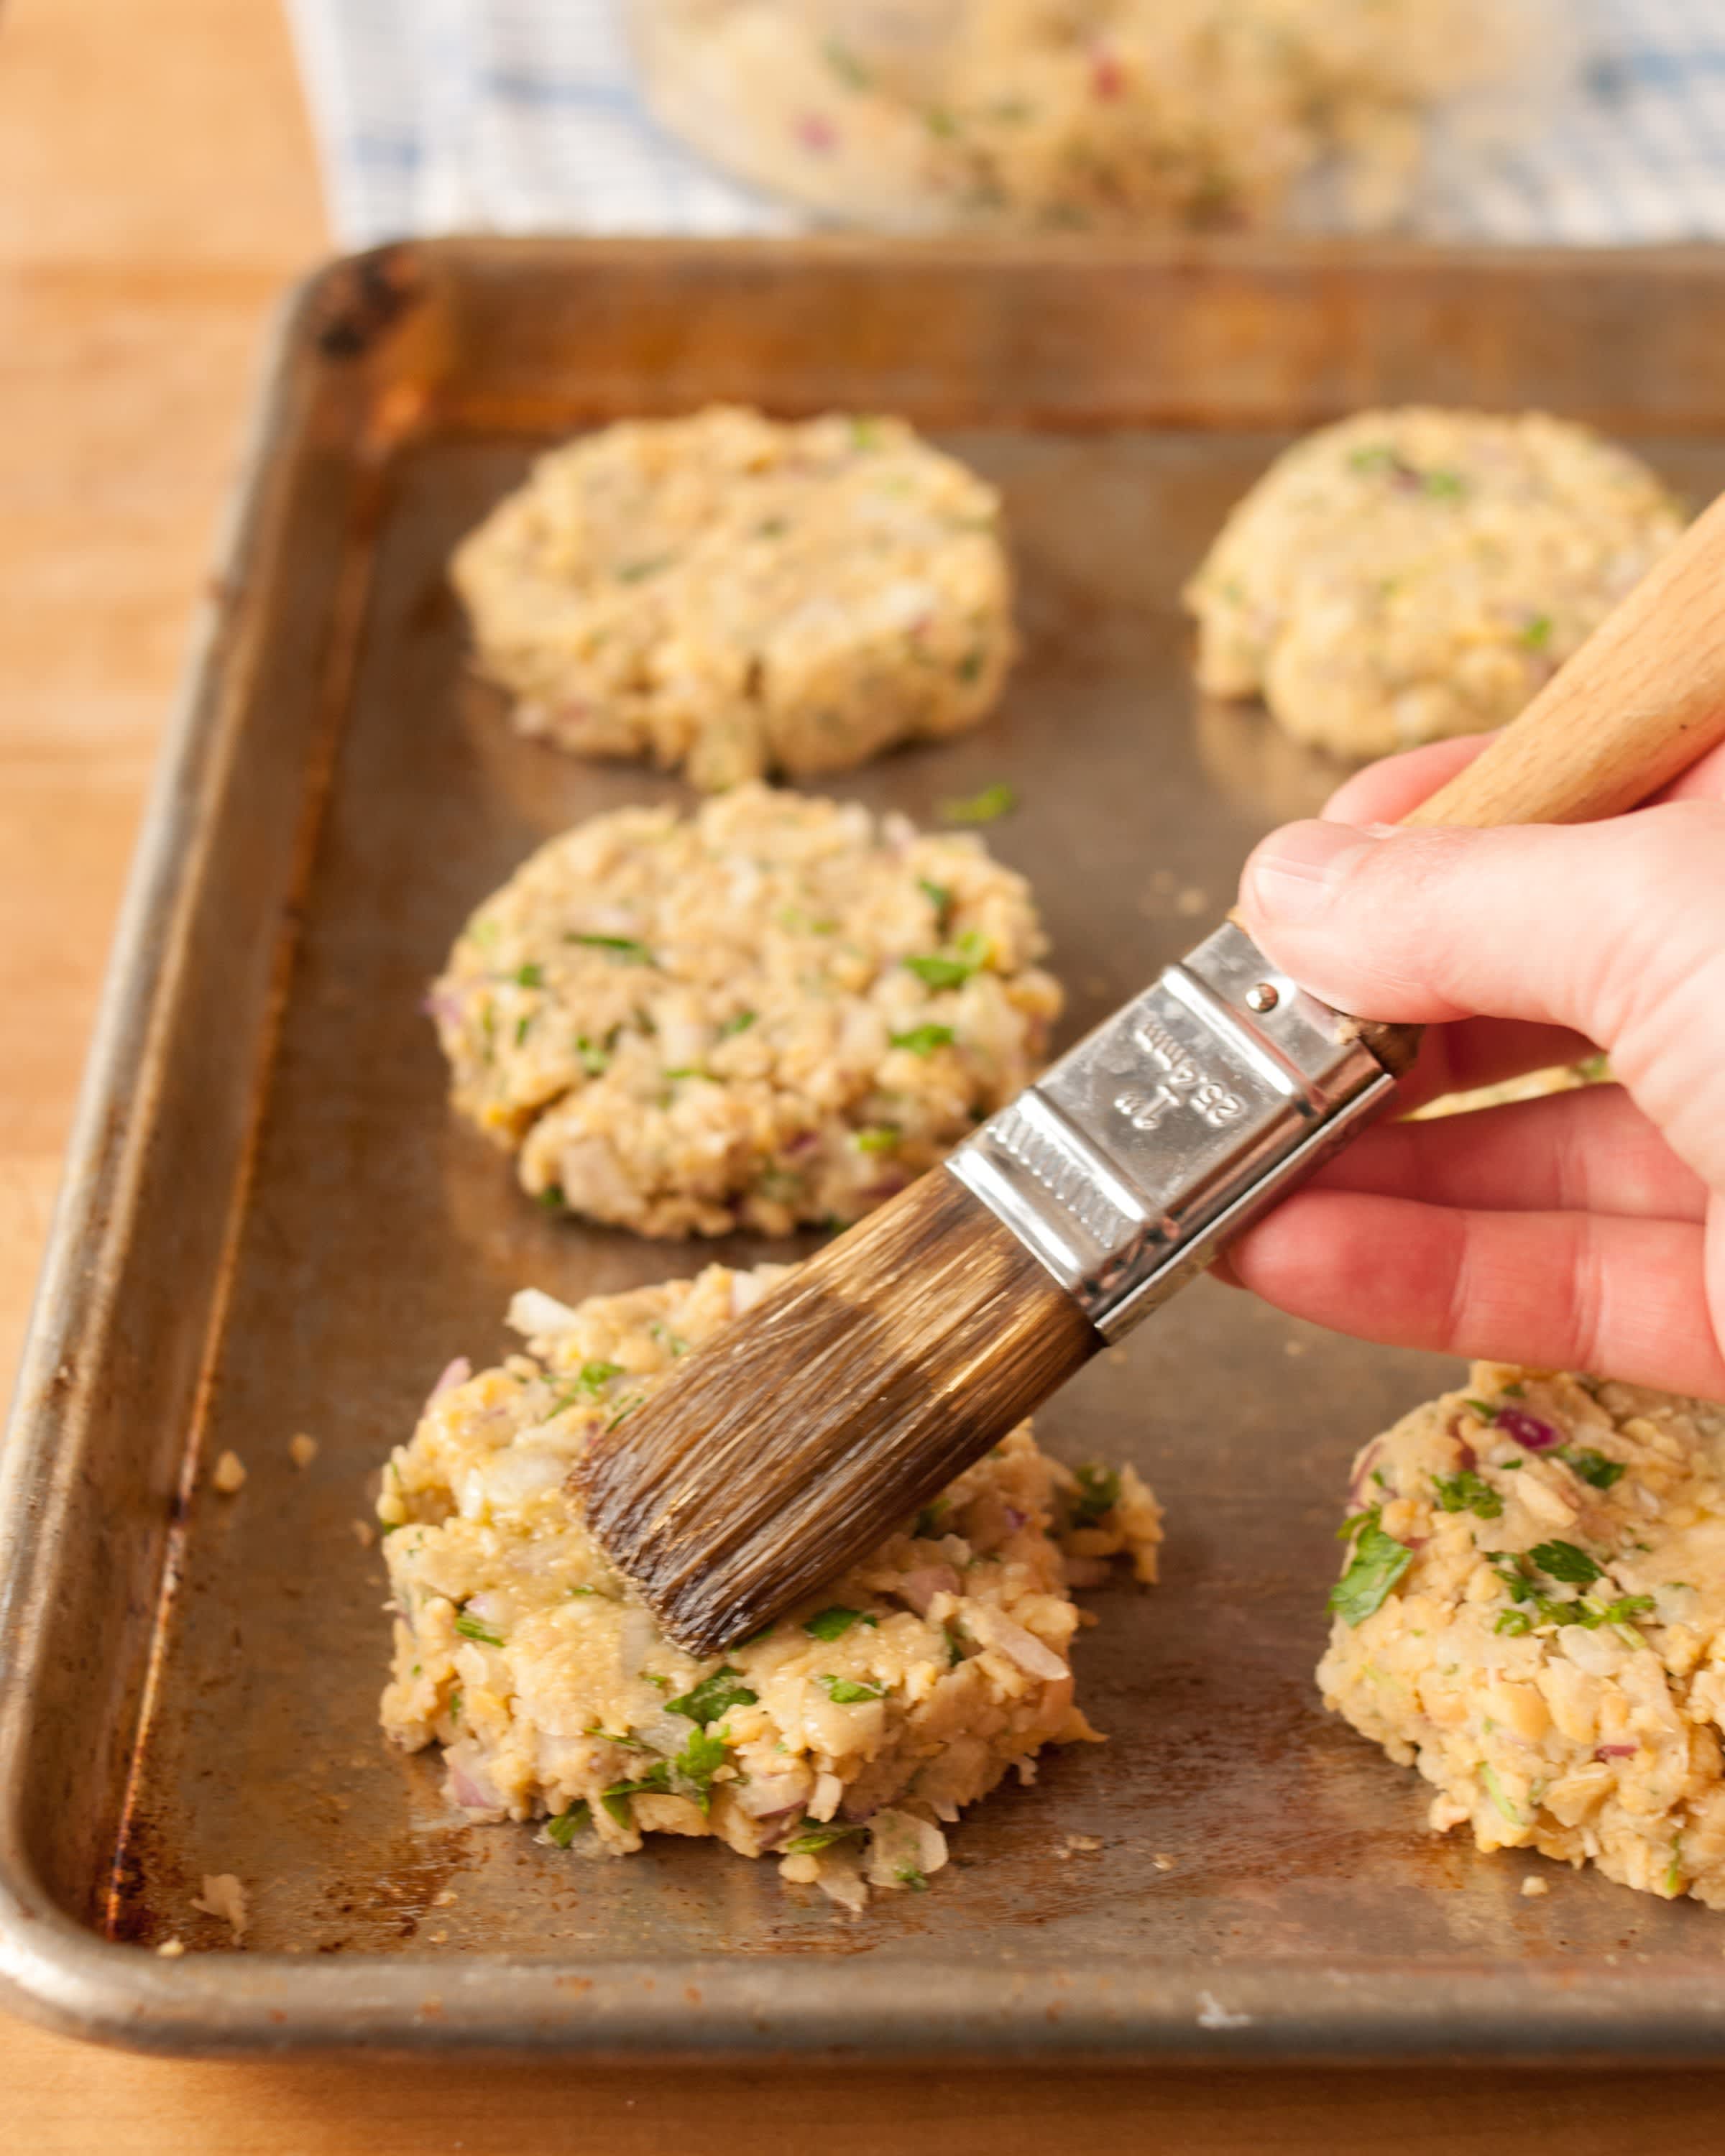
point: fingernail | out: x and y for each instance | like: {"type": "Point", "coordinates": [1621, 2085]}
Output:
{"type": "Point", "coordinates": [1291, 876]}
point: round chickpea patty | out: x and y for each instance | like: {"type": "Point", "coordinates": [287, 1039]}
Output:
{"type": "Point", "coordinates": [1533, 1613]}
{"type": "Point", "coordinates": [776, 1011]}
{"type": "Point", "coordinates": [1410, 574]}
{"type": "Point", "coordinates": [740, 596]}
{"type": "Point", "coordinates": [839, 1740]}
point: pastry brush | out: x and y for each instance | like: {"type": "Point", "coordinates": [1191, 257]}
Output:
{"type": "Point", "coordinates": [821, 1419]}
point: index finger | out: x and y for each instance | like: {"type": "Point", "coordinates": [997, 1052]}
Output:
{"type": "Point", "coordinates": [1385, 793]}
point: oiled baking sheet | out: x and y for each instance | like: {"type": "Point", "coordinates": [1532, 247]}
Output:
{"type": "Point", "coordinates": [1264, 1880]}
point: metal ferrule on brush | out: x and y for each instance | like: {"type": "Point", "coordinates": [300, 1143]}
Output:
{"type": "Point", "coordinates": [1171, 1127]}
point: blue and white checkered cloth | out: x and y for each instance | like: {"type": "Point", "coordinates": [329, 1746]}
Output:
{"type": "Point", "coordinates": [522, 115]}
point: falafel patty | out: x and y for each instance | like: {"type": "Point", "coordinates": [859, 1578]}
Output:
{"type": "Point", "coordinates": [739, 595]}
{"type": "Point", "coordinates": [775, 1012]}
{"type": "Point", "coordinates": [1406, 575]}
{"type": "Point", "coordinates": [1533, 1613]}
{"type": "Point", "coordinates": [841, 1739]}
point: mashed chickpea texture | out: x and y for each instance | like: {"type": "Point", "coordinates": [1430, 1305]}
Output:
{"type": "Point", "coordinates": [1409, 574]}
{"type": "Point", "coordinates": [739, 596]}
{"type": "Point", "coordinates": [776, 1011]}
{"type": "Point", "coordinates": [841, 1740]}
{"type": "Point", "coordinates": [1532, 1614]}
{"type": "Point", "coordinates": [1117, 114]}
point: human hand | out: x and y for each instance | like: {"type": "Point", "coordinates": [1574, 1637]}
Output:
{"type": "Point", "coordinates": [1585, 1230]}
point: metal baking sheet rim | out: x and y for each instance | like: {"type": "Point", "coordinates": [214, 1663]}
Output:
{"type": "Point", "coordinates": [63, 1975]}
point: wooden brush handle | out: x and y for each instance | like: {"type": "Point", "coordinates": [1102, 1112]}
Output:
{"type": "Point", "coordinates": [1641, 700]}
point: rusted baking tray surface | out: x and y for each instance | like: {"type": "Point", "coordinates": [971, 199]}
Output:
{"type": "Point", "coordinates": [272, 1226]}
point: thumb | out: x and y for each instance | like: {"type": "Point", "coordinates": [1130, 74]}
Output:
{"type": "Point", "coordinates": [1616, 930]}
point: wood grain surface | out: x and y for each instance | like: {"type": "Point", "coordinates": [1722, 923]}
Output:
{"type": "Point", "coordinates": [157, 190]}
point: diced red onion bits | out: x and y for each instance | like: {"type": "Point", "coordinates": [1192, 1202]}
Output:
{"type": "Point", "coordinates": [1527, 1431]}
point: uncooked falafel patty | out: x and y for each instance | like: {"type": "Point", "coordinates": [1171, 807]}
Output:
{"type": "Point", "coordinates": [841, 1740]}
{"type": "Point", "coordinates": [1410, 574]}
{"type": "Point", "coordinates": [739, 595]}
{"type": "Point", "coordinates": [1533, 1613]}
{"type": "Point", "coordinates": [776, 1011]}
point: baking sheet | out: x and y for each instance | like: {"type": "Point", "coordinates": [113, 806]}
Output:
{"type": "Point", "coordinates": [273, 1226]}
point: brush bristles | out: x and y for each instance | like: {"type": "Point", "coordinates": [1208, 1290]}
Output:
{"type": "Point", "coordinates": [821, 1419]}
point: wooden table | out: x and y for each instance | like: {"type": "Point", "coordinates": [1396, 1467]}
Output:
{"type": "Point", "coordinates": [157, 190]}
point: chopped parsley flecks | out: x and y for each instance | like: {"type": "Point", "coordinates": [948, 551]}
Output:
{"type": "Point", "coordinates": [616, 1736]}
{"type": "Point", "coordinates": [1467, 1492]}
{"type": "Point", "coordinates": [923, 1040]}
{"type": "Point", "coordinates": [846, 65]}
{"type": "Point", "coordinates": [739, 1022]}
{"type": "Point", "coordinates": [940, 969]}
{"type": "Point", "coordinates": [1098, 1493]}
{"type": "Point", "coordinates": [987, 807]}
{"type": "Point", "coordinates": [1564, 1561]}
{"type": "Point", "coordinates": [929, 1520]}
{"type": "Point", "coordinates": [1538, 1608]}
{"type": "Point", "coordinates": [624, 950]}
{"type": "Point", "coordinates": [564, 1829]}
{"type": "Point", "coordinates": [882, 1137]}
{"type": "Point", "coordinates": [866, 433]}
{"type": "Point", "coordinates": [591, 1379]}
{"type": "Point", "coordinates": [951, 969]}
{"type": "Point", "coordinates": [714, 1696]}
{"type": "Point", "coordinates": [594, 1057]}
{"type": "Point", "coordinates": [634, 572]}
{"type": "Point", "coordinates": [911, 1875]}
{"type": "Point", "coordinates": [1443, 486]}
{"type": "Point", "coordinates": [1509, 1570]}
{"type": "Point", "coordinates": [1377, 1563]}
{"type": "Point", "coordinates": [691, 1773]}
{"type": "Point", "coordinates": [551, 1197]}
{"type": "Point", "coordinates": [1483, 1409]}
{"type": "Point", "coordinates": [849, 1691]}
{"type": "Point", "coordinates": [811, 1840]}
{"type": "Point", "coordinates": [523, 1027]}
{"type": "Point", "coordinates": [615, 1800]}
{"type": "Point", "coordinates": [1494, 1790]}
{"type": "Point", "coordinates": [472, 1628]}
{"type": "Point", "coordinates": [529, 976]}
{"type": "Point", "coordinates": [970, 666]}
{"type": "Point", "coordinates": [832, 1623]}
{"type": "Point", "coordinates": [939, 897]}
{"type": "Point", "coordinates": [1592, 1467]}
{"type": "Point", "coordinates": [1537, 633]}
